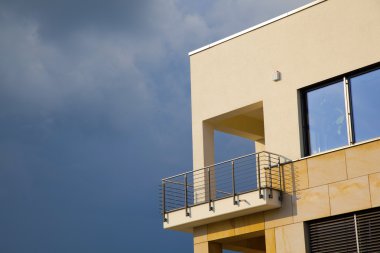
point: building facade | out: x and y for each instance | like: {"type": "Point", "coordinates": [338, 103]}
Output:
{"type": "Point", "coordinates": [305, 87]}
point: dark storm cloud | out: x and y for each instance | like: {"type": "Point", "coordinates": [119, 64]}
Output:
{"type": "Point", "coordinates": [94, 109]}
{"type": "Point", "coordinates": [59, 19]}
{"type": "Point", "coordinates": [46, 74]}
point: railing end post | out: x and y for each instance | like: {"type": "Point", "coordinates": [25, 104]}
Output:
{"type": "Point", "coordinates": [186, 194]}
{"type": "Point", "coordinates": [164, 202]}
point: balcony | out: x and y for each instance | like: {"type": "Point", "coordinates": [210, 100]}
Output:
{"type": "Point", "coordinates": [240, 186]}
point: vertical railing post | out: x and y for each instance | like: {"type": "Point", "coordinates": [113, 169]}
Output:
{"type": "Point", "coordinates": [163, 202]}
{"type": "Point", "coordinates": [270, 176]}
{"type": "Point", "coordinates": [259, 175]}
{"type": "Point", "coordinates": [233, 183]}
{"type": "Point", "coordinates": [280, 177]}
{"type": "Point", "coordinates": [210, 208]}
{"type": "Point", "coordinates": [186, 203]}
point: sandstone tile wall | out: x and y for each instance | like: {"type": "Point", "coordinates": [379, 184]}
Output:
{"type": "Point", "coordinates": [338, 182]}
{"type": "Point", "coordinates": [350, 195]}
{"type": "Point", "coordinates": [290, 238]}
{"type": "Point", "coordinates": [374, 185]}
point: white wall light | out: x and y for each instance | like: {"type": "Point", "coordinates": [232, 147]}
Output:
{"type": "Point", "coordinates": [276, 76]}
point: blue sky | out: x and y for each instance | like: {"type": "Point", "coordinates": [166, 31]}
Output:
{"type": "Point", "coordinates": [95, 110]}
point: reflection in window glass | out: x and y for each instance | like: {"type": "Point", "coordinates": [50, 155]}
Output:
{"type": "Point", "coordinates": [365, 90]}
{"type": "Point", "coordinates": [326, 118]}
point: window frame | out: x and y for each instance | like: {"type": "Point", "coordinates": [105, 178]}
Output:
{"type": "Point", "coordinates": [350, 117]}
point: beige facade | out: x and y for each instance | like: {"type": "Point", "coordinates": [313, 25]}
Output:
{"type": "Point", "coordinates": [234, 78]}
{"type": "Point", "coordinates": [233, 90]}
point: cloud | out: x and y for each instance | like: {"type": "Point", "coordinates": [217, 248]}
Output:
{"type": "Point", "coordinates": [95, 105]}
{"type": "Point", "coordinates": [38, 76]}
{"type": "Point", "coordinates": [75, 74]}
{"type": "Point", "coordinates": [61, 19]}
{"type": "Point", "coordinates": [116, 55]}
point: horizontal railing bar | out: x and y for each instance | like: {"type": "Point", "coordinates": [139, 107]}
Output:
{"type": "Point", "coordinates": [173, 205]}
{"type": "Point", "coordinates": [174, 189]}
{"type": "Point", "coordinates": [174, 197]}
{"type": "Point", "coordinates": [205, 201]}
{"type": "Point", "coordinates": [240, 192]}
{"type": "Point", "coordinates": [173, 182]}
{"type": "Point", "coordinates": [213, 165]}
{"type": "Point", "coordinates": [223, 192]}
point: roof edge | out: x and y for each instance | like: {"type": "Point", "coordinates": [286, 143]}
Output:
{"type": "Point", "coordinates": [256, 27]}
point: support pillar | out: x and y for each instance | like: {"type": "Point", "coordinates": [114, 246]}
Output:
{"type": "Point", "coordinates": [203, 155]}
{"type": "Point", "coordinates": [208, 247]}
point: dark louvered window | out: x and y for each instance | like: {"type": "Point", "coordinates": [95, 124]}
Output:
{"type": "Point", "coordinates": [355, 232]}
{"type": "Point", "coordinates": [333, 235]}
{"type": "Point", "coordinates": [368, 227]}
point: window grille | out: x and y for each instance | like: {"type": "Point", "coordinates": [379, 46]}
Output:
{"type": "Point", "coordinates": [355, 232]}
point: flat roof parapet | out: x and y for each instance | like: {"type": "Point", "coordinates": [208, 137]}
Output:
{"type": "Point", "coordinates": [256, 27]}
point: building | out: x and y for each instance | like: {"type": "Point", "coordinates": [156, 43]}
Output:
{"type": "Point", "coordinates": [305, 87]}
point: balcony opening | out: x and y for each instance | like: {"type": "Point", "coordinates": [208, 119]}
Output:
{"type": "Point", "coordinates": [239, 127]}
{"type": "Point", "coordinates": [228, 146]}
{"type": "Point", "coordinates": [238, 177]}
{"type": "Point", "coordinates": [238, 133]}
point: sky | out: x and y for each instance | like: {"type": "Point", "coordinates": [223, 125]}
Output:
{"type": "Point", "coordinates": [95, 110]}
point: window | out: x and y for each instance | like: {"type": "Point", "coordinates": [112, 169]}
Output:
{"type": "Point", "coordinates": [335, 234]}
{"type": "Point", "coordinates": [342, 112]}
{"type": "Point", "coordinates": [354, 232]}
{"type": "Point", "coordinates": [326, 118]}
{"type": "Point", "coordinates": [365, 91]}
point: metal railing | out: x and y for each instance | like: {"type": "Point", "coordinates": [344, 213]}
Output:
{"type": "Point", "coordinates": [257, 171]}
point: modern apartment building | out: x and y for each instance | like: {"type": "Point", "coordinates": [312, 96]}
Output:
{"type": "Point", "coordinates": [305, 87]}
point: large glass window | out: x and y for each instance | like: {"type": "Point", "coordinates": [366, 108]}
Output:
{"type": "Point", "coordinates": [326, 118]}
{"type": "Point", "coordinates": [343, 112]}
{"type": "Point", "coordinates": [365, 93]}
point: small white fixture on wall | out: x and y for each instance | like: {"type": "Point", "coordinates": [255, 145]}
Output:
{"type": "Point", "coordinates": [276, 76]}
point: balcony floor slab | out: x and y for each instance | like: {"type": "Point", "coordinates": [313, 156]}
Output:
{"type": "Point", "coordinates": [223, 209]}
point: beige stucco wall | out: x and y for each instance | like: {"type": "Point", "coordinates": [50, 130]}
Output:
{"type": "Point", "coordinates": [318, 43]}
{"type": "Point", "coordinates": [315, 44]}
